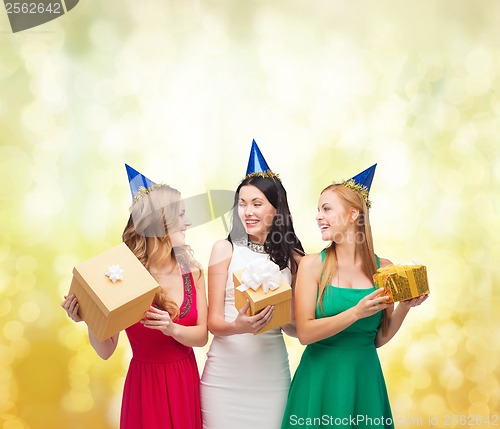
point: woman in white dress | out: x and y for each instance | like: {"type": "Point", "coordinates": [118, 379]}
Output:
{"type": "Point", "coordinates": [246, 377]}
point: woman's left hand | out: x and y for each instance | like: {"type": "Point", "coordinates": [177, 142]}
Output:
{"type": "Point", "coordinates": [414, 301]}
{"type": "Point", "coordinates": [159, 320]}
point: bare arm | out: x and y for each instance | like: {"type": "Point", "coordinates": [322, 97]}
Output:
{"type": "Point", "coordinates": [309, 328]}
{"type": "Point", "coordinates": [217, 278]}
{"type": "Point", "coordinates": [104, 349]}
{"type": "Point", "coordinates": [191, 336]}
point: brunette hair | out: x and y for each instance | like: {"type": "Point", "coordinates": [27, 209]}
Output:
{"type": "Point", "coordinates": [281, 242]}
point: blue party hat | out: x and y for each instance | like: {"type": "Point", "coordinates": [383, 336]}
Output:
{"type": "Point", "coordinates": [257, 165]}
{"type": "Point", "coordinates": [137, 181]}
{"type": "Point", "coordinates": [365, 178]}
{"type": "Point", "coordinates": [256, 162]}
{"type": "Point", "coordinates": [362, 183]}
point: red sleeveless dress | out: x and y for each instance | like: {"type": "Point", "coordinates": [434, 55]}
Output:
{"type": "Point", "coordinates": [162, 387]}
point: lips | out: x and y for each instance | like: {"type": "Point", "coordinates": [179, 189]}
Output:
{"type": "Point", "coordinates": [251, 222]}
{"type": "Point", "coordinates": [323, 226]}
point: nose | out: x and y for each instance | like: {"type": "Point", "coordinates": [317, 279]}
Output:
{"type": "Point", "coordinates": [319, 215]}
{"type": "Point", "coordinates": [187, 221]}
{"type": "Point", "coordinates": [248, 211]}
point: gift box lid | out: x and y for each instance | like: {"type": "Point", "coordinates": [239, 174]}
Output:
{"type": "Point", "coordinates": [282, 293]}
{"type": "Point", "coordinates": [136, 280]}
{"type": "Point", "coordinates": [401, 270]}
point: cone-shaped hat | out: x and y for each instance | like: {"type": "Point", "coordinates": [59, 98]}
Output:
{"type": "Point", "coordinates": [137, 180]}
{"type": "Point", "coordinates": [256, 162]}
{"type": "Point", "coordinates": [365, 178]}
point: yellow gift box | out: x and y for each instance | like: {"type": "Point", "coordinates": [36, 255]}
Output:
{"type": "Point", "coordinates": [402, 282]}
{"type": "Point", "coordinates": [113, 289]}
{"type": "Point", "coordinates": [280, 298]}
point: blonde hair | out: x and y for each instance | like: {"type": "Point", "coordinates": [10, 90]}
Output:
{"type": "Point", "coordinates": [151, 217]}
{"type": "Point", "coordinates": [364, 247]}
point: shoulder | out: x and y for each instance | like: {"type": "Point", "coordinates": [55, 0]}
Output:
{"type": "Point", "coordinates": [385, 262]}
{"type": "Point", "coordinates": [222, 247]}
{"type": "Point", "coordinates": [310, 269]}
{"type": "Point", "coordinates": [312, 261]}
{"type": "Point", "coordinates": [222, 251]}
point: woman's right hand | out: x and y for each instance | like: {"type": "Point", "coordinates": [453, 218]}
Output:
{"type": "Point", "coordinates": [70, 304]}
{"type": "Point", "coordinates": [371, 304]}
{"type": "Point", "coordinates": [253, 324]}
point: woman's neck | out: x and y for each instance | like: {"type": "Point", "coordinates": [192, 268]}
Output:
{"type": "Point", "coordinates": [346, 252]}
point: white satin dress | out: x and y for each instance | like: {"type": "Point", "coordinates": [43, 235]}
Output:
{"type": "Point", "coordinates": [246, 377]}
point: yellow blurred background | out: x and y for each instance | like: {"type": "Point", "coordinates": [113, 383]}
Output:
{"type": "Point", "coordinates": [178, 89]}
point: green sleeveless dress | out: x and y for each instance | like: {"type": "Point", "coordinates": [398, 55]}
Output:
{"type": "Point", "coordinates": [339, 381]}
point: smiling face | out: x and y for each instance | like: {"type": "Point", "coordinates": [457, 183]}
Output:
{"type": "Point", "coordinates": [255, 212]}
{"type": "Point", "coordinates": [335, 219]}
{"type": "Point", "coordinates": [177, 231]}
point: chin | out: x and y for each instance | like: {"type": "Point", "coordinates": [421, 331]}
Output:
{"type": "Point", "coordinates": [256, 234]}
{"type": "Point", "coordinates": [326, 237]}
{"type": "Point", "coordinates": [252, 231]}
{"type": "Point", "coordinates": [177, 241]}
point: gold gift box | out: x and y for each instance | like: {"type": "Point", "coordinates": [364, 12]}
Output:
{"type": "Point", "coordinates": [109, 307]}
{"type": "Point", "coordinates": [402, 282]}
{"type": "Point", "coordinates": [280, 298]}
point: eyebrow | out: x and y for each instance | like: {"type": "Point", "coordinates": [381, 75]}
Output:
{"type": "Point", "coordinates": [253, 199]}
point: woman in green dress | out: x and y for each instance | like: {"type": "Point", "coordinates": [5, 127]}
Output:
{"type": "Point", "coordinates": [342, 319]}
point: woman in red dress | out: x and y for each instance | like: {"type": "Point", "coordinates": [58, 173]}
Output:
{"type": "Point", "coordinates": [162, 386]}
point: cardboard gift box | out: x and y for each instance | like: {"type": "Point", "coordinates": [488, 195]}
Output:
{"type": "Point", "coordinates": [402, 282]}
{"type": "Point", "coordinates": [113, 289]}
{"type": "Point", "coordinates": [280, 298]}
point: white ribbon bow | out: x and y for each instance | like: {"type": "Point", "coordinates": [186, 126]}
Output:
{"type": "Point", "coordinates": [115, 273]}
{"type": "Point", "coordinates": [260, 273]}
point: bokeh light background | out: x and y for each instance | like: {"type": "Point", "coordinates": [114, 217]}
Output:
{"type": "Point", "coordinates": [178, 89]}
